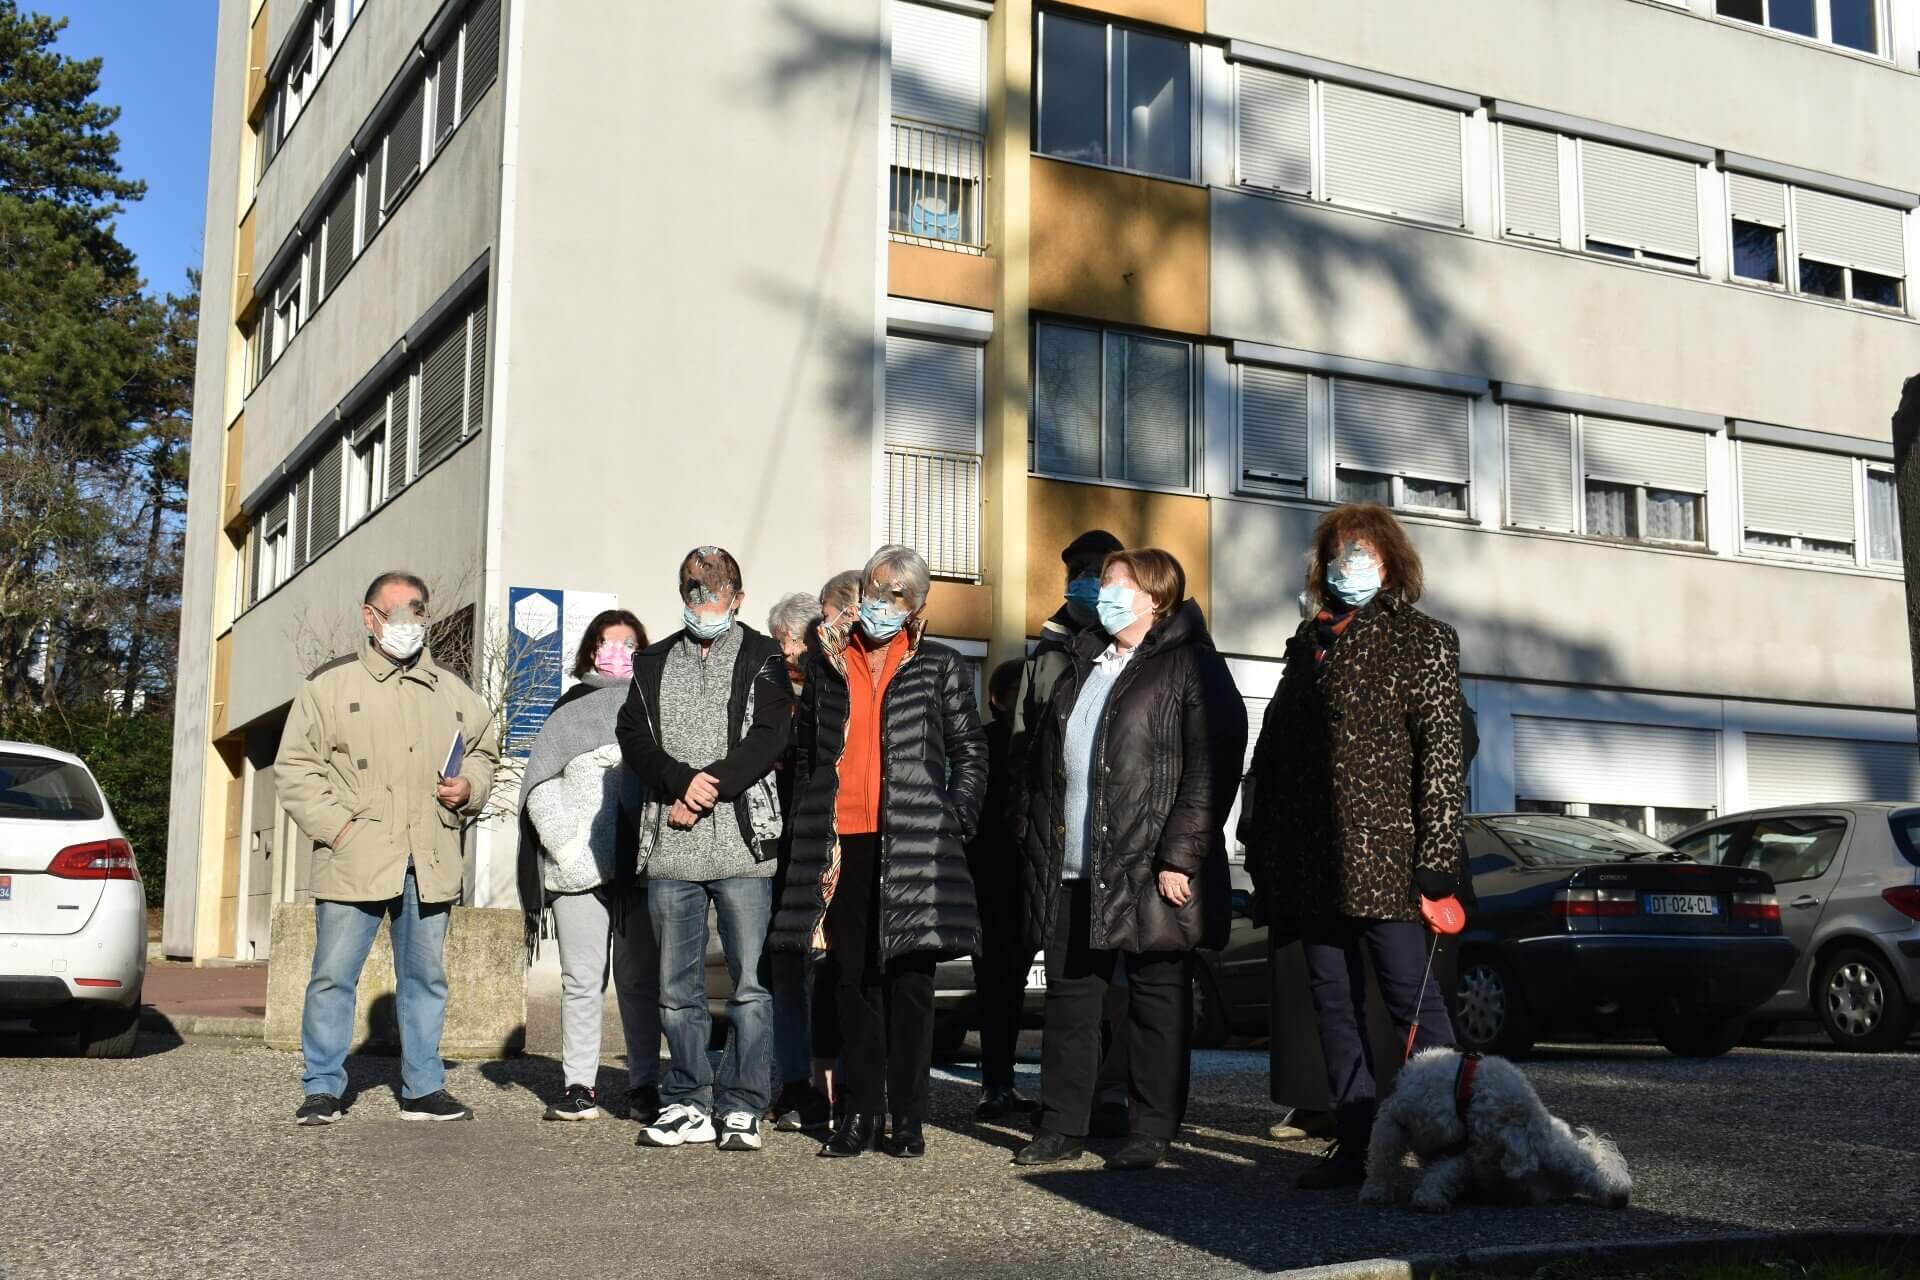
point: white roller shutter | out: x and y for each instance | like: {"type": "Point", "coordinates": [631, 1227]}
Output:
{"type": "Point", "coordinates": [1393, 154]}
{"type": "Point", "coordinates": [1752, 199]}
{"type": "Point", "coordinates": [1638, 453]}
{"type": "Point", "coordinates": [1272, 126]}
{"type": "Point", "coordinates": [1397, 430]}
{"type": "Point", "coordinates": [1599, 762]}
{"type": "Point", "coordinates": [1539, 468]}
{"type": "Point", "coordinates": [1641, 199]}
{"type": "Point", "coordinates": [939, 58]}
{"type": "Point", "coordinates": [933, 395]}
{"type": "Point", "coordinates": [1850, 231]}
{"type": "Point", "coordinates": [1793, 491]}
{"type": "Point", "coordinates": [1530, 182]}
{"type": "Point", "coordinates": [1785, 769]}
{"type": "Point", "coordinates": [1273, 428]}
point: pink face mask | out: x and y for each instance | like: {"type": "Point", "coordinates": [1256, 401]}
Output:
{"type": "Point", "coordinates": [615, 661]}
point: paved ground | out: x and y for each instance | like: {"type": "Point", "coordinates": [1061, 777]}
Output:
{"type": "Point", "coordinates": [184, 1162]}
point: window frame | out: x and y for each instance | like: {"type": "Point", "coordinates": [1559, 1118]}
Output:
{"type": "Point", "coordinates": [366, 462]}
{"type": "Point", "coordinates": [1859, 554]}
{"type": "Point", "coordinates": [1584, 809]}
{"type": "Point", "coordinates": [1869, 470]}
{"type": "Point", "coordinates": [1639, 255]}
{"type": "Point", "coordinates": [1195, 91]}
{"type": "Point", "coordinates": [1790, 255]}
{"type": "Point", "coordinates": [1579, 478]}
{"type": "Point", "coordinates": [1196, 377]}
{"type": "Point", "coordinates": [1822, 27]}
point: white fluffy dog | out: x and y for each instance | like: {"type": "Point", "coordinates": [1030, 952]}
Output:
{"type": "Point", "coordinates": [1487, 1132]}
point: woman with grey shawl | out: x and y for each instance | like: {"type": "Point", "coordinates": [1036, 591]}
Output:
{"type": "Point", "coordinates": [578, 805]}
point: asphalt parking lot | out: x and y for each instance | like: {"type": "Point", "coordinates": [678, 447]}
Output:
{"type": "Point", "coordinates": [184, 1162]}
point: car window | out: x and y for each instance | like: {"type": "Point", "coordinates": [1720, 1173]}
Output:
{"type": "Point", "coordinates": [1906, 834]}
{"type": "Point", "coordinates": [1712, 845]}
{"type": "Point", "coordinates": [1794, 848]}
{"type": "Point", "coordinates": [1548, 840]}
{"type": "Point", "coordinates": [36, 787]}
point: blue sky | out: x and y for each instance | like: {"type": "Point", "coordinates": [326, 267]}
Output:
{"type": "Point", "coordinates": [158, 69]}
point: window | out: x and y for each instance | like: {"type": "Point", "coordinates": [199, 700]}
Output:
{"type": "Point", "coordinates": [1852, 24]}
{"type": "Point", "coordinates": [1883, 517]}
{"type": "Point", "coordinates": [1848, 250]}
{"type": "Point", "coordinates": [399, 435]}
{"type": "Point", "coordinates": [1374, 150]}
{"type": "Point", "coordinates": [402, 153]}
{"type": "Point", "coordinates": [339, 232]}
{"type": "Point", "coordinates": [441, 379]}
{"type": "Point", "coordinates": [1713, 845]}
{"type": "Point", "coordinates": [1639, 205]}
{"type": "Point", "coordinates": [1400, 446]}
{"type": "Point", "coordinates": [1111, 95]}
{"type": "Point", "coordinates": [480, 54]}
{"type": "Point", "coordinates": [1112, 406]}
{"type": "Point", "coordinates": [1529, 183]}
{"type": "Point", "coordinates": [932, 441]}
{"type": "Point", "coordinates": [1801, 847]}
{"type": "Point", "coordinates": [287, 312]}
{"type": "Point", "coordinates": [939, 119]}
{"type": "Point", "coordinates": [1273, 430]}
{"type": "Point", "coordinates": [367, 466]}
{"type": "Point", "coordinates": [275, 564]}
{"type": "Point", "coordinates": [1658, 821]}
{"type": "Point", "coordinates": [1794, 500]}
{"type": "Point", "coordinates": [1576, 473]}
{"type": "Point", "coordinates": [38, 788]}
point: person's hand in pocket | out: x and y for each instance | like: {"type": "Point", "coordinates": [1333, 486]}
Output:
{"type": "Point", "coordinates": [1176, 887]}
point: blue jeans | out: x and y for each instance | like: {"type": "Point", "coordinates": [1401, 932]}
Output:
{"type": "Point", "coordinates": [343, 934]}
{"type": "Point", "coordinates": [744, 908]}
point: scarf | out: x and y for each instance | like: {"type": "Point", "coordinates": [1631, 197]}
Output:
{"type": "Point", "coordinates": [1327, 629]}
{"type": "Point", "coordinates": [574, 786]}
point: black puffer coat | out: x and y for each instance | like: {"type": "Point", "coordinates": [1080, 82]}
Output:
{"type": "Point", "coordinates": [1166, 766]}
{"type": "Point", "coordinates": [933, 782]}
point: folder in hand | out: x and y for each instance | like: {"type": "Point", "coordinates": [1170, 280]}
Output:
{"type": "Point", "coordinates": [456, 756]}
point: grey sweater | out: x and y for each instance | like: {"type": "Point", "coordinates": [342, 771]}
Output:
{"type": "Point", "coordinates": [694, 691]}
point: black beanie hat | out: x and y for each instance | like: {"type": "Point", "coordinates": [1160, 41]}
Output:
{"type": "Point", "coordinates": [1086, 553]}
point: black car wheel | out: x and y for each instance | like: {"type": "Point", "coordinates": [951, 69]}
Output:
{"type": "Point", "coordinates": [1860, 1002]}
{"type": "Point", "coordinates": [1698, 1033]}
{"type": "Point", "coordinates": [1490, 1011]}
{"type": "Point", "coordinates": [1209, 1016]}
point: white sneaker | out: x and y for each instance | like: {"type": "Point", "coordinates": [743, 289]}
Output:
{"type": "Point", "coordinates": [676, 1126]}
{"type": "Point", "coordinates": [740, 1131]}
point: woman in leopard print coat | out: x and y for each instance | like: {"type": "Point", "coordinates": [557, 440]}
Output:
{"type": "Point", "coordinates": [1358, 781]}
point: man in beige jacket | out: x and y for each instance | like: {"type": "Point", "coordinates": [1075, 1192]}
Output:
{"type": "Point", "coordinates": [360, 771]}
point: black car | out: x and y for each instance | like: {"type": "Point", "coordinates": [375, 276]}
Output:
{"type": "Point", "coordinates": [1579, 923]}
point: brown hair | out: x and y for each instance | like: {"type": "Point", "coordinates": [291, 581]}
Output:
{"type": "Point", "coordinates": [1400, 570]}
{"type": "Point", "coordinates": [1155, 572]}
{"type": "Point", "coordinates": [713, 568]}
{"type": "Point", "coordinates": [596, 631]}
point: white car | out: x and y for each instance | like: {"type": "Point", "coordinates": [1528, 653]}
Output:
{"type": "Point", "coordinates": [73, 914]}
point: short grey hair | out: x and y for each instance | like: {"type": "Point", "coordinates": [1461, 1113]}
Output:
{"type": "Point", "coordinates": [901, 564]}
{"type": "Point", "coordinates": [792, 615]}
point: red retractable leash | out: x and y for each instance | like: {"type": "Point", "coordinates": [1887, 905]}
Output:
{"type": "Point", "coordinates": [1445, 916]}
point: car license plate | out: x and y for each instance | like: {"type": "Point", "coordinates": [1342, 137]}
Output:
{"type": "Point", "coordinates": [1682, 904]}
{"type": "Point", "coordinates": [6, 888]}
{"type": "Point", "coordinates": [1037, 976]}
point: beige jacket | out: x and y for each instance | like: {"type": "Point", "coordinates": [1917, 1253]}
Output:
{"type": "Point", "coordinates": [364, 743]}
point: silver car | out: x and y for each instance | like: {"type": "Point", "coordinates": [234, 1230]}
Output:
{"type": "Point", "coordinates": [1849, 885]}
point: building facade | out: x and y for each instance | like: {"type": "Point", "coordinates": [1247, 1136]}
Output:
{"type": "Point", "coordinates": [484, 302]}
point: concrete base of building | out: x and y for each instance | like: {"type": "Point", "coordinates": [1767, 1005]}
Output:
{"type": "Point", "coordinates": [486, 984]}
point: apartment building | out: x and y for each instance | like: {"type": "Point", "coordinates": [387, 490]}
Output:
{"type": "Point", "coordinates": [1609, 299]}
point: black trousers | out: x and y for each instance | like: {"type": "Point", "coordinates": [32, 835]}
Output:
{"type": "Point", "coordinates": [886, 1010]}
{"type": "Point", "coordinates": [1159, 1026]}
{"type": "Point", "coordinates": [999, 983]}
{"type": "Point", "coordinates": [1398, 949]}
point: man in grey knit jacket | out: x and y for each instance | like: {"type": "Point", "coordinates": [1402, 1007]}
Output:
{"type": "Point", "coordinates": [707, 716]}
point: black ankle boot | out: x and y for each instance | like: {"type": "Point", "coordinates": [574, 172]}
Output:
{"type": "Point", "coordinates": [1049, 1148]}
{"type": "Point", "coordinates": [854, 1135]}
{"type": "Point", "coordinates": [1345, 1161]}
{"type": "Point", "coordinates": [909, 1139]}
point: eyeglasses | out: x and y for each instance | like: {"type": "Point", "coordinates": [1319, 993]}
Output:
{"type": "Point", "coordinates": [412, 611]}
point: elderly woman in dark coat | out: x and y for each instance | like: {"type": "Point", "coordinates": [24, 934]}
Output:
{"type": "Point", "coordinates": [1358, 786]}
{"type": "Point", "coordinates": [890, 775]}
{"type": "Point", "coordinates": [1129, 778]}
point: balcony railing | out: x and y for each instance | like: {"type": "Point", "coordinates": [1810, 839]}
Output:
{"type": "Point", "coordinates": [936, 180]}
{"type": "Point", "coordinates": [933, 506]}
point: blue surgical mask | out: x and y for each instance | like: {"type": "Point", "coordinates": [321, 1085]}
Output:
{"type": "Point", "coordinates": [1083, 600]}
{"type": "Point", "coordinates": [1116, 609]}
{"type": "Point", "coordinates": [701, 627]}
{"type": "Point", "coordinates": [880, 620]}
{"type": "Point", "coordinates": [1354, 578]}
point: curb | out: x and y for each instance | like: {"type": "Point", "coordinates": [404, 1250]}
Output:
{"type": "Point", "coordinates": [195, 1026]}
{"type": "Point", "coordinates": [1525, 1259]}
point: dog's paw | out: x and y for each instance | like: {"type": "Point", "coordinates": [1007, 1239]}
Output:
{"type": "Point", "coordinates": [1431, 1202]}
{"type": "Point", "coordinates": [1376, 1192]}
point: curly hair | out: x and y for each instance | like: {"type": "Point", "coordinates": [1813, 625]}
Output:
{"type": "Point", "coordinates": [1400, 570]}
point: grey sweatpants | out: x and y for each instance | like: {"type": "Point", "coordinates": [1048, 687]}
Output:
{"type": "Point", "coordinates": [584, 925]}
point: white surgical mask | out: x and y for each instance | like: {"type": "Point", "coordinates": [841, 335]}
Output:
{"type": "Point", "coordinates": [402, 640]}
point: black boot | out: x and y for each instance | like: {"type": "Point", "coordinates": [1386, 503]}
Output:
{"type": "Point", "coordinates": [1344, 1163]}
{"type": "Point", "coordinates": [1001, 1100]}
{"type": "Point", "coordinates": [1049, 1148]}
{"type": "Point", "coordinates": [854, 1135]}
{"type": "Point", "coordinates": [908, 1140]}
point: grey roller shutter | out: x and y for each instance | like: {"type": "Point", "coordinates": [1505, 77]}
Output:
{"type": "Point", "coordinates": [939, 59]}
{"type": "Point", "coordinates": [1272, 124]}
{"type": "Point", "coordinates": [1599, 762]}
{"type": "Point", "coordinates": [1641, 199]}
{"type": "Point", "coordinates": [1786, 769]}
{"type": "Point", "coordinates": [440, 391]}
{"type": "Point", "coordinates": [339, 237]}
{"type": "Point", "coordinates": [399, 434]}
{"type": "Point", "coordinates": [1850, 231]}
{"type": "Point", "coordinates": [1637, 453]}
{"type": "Point", "coordinates": [1530, 183]}
{"type": "Point", "coordinates": [325, 514]}
{"type": "Point", "coordinates": [933, 395]}
{"type": "Point", "coordinates": [1793, 491]}
{"type": "Point", "coordinates": [1149, 407]}
{"type": "Point", "coordinates": [477, 370]}
{"type": "Point", "coordinates": [1066, 395]}
{"type": "Point", "coordinates": [403, 145]}
{"type": "Point", "coordinates": [1400, 430]}
{"type": "Point", "coordinates": [302, 521]}
{"type": "Point", "coordinates": [482, 57]}
{"type": "Point", "coordinates": [1539, 468]}
{"type": "Point", "coordinates": [446, 94]}
{"type": "Point", "coordinates": [1752, 199]}
{"type": "Point", "coordinates": [1393, 154]}
{"type": "Point", "coordinates": [1273, 429]}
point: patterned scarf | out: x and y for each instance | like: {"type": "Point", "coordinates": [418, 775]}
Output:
{"type": "Point", "coordinates": [1328, 628]}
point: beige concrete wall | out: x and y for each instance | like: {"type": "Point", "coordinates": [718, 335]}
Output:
{"type": "Point", "coordinates": [694, 314]}
{"type": "Point", "coordinates": [1647, 66]}
{"type": "Point", "coordinates": [1563, 610]}
{"type": "Point", "coordinates": [445, 223]}
{"type": "Point", "coordinates": [1309, 276]}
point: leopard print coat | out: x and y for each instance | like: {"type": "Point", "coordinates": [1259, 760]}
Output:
{"type": "Point", "coordinates": [1358, 777]}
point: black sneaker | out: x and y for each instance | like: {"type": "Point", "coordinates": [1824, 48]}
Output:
{"type": "Point", "coordinates": [643, 1103]}
{"type": "Point", "coordinates": [438, 1105]}
{"type": "Point", "coordinates": [801, 1108]}
{"type": "Point", "coordinates": [1342, 1164]}
{"type": "Point", "coordinates": [577, 1103]}
{"type": "Point", "coordinates": [319, 1108]}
